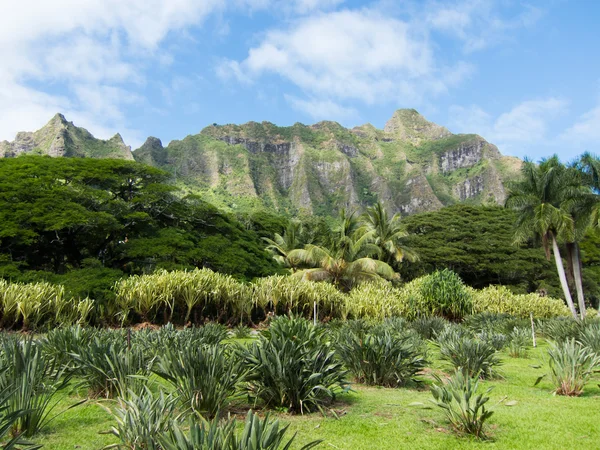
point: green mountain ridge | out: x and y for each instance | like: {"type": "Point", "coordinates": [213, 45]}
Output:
{"type": "Point", "coordinates": [412, 165]}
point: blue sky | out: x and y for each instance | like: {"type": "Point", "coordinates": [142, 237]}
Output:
{"type": "Point", "coordinates": [524, 75]}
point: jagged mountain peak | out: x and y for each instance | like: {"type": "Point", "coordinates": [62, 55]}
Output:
{"type": "Point", "coordinates": [59, 137]}
{"type": "Point", "coordinates": [408, 124]}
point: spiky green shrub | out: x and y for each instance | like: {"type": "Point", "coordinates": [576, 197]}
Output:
{"type": "Point", "coordinates": [474, 357]}
{"type": "Point", "coordinates": [491, 322]}
{"type": "Point", "coordinates": [382, 357]}
{"type": "Point", "coordinates": [462, 403]}
{"type": "Point", "coordinates": [442, 293]}
{"type": "Point", "coordinates": [496, 340]}
{"type": "Point", "coordinates": [59, 344]}
{"type": "Point", "coordinates": [561, 329]}
{"type": "Point", "coordinates": [258, 434]}
{"type": "Point", "coordinates": [33, 382]}
{"type": "Point", "coordinates": [293, 366]}
{"type": "Point", "coordinates": [499, 299]}
{"type": "Point", "coordinates": [590, 337]}
{"type": "Point", "coordinates": [204, 377]}
{"type": "Point", "coordinates": [520, 341]}
{"type": "Point", "coordinates": [428, 327]}
{"type": "Point", "coordinates": [142, 419]}
{"type": "Point", "coordinates": [571, 366]}
{"type": "Point", "coordinates": [241, 332]}
{"type": "Point", "coordinates": [108, 367]}
{"type": "Point", "coordinates": [8, 420]}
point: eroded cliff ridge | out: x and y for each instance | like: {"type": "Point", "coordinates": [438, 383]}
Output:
{"type": "Point", "coordinates": [412, 165]}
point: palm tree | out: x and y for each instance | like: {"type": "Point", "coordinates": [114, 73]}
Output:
{"type": "Point", "coordinates": [388, 234]}
{"type": "Point", "coordinates": [584, 206]}
{"type": "Point", "coordinates": [538, 198]}
{"type": "Point", "coordinates": [348, 260]}
{"type": "Point", "coordinates": [281, 245]}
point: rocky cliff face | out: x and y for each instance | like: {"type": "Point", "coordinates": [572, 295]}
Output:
{"type": "Point", "coordinates": [412, 165]}
{"type": "Point", "coordinates": [61, 138]}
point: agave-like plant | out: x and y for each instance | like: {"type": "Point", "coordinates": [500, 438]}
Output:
{"type": "Point", "coordinates": [571, 366]}
{"type": "Point", "coordinates": [258, 434]}
{"type": "Point", "coordinates": [382, 357]}
{"type": "Point", "coordinates": [462, 403]}
{"type": "Point", "coordinates": [33, 382]}
{"type": "Point", "coordinates": [108, 367]}
{"type": "Point", "coordinates": [142, 420]}
{"type": "Point", "coordinates": [294, 367]}
{"type": "Point", "coordinates": [476, 358]}
{"type": "Point", "coordinates": [204, 376]}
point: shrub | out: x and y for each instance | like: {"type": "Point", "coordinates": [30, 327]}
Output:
{"type": "Point", "coordinates": [499, 299]}
{"type": "Point", "coordinates": [59, 344]}
{"type": "Point", "coordinates": [292, 366]}
{"type": "Point", "coordinates": [32, 382]}
{"type": "Point", "coordinates": [491, 322]}
{"type": "Point", "coordinates": [142, 419]}
{"type": "Point", "coordinates": [442, 294]}
{"type": "Point", "coordinates": [428, 327]}
{"type": "Point", "coordinates": [7, 422]}
{"type": "Point", "coordinates": [520, 341]}
{"type": "Point", "coordinates": [108, 367]}
{"type": "Point", "coordinates": [258, 434]}
{"type": "Point", "coordinates": [376, 301]}
{"type": "Point", "coordinates": [571, 365]}
{"type": "Point", "coordinates": [463, 405]}
{"type": "Point", "coordinates": [381, 357]}
{"type": "Point", "coordinates": [561, 329]}
{"type": "Point", "coordinates": [496, 340]}
{"type": "Point", "coordinates": [241, 332]}
{"type": "Point", "coordinates": [474, 357]}
{"type": "Point", "coordinates": [590, 337]}
{"type": "Point", "coordinates": [204, 376]}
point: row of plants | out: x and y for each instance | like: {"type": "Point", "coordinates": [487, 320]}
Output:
{"type": "Point", "coordinates": [172, 386]}
{"type": "Point", "coordinates": [191, 297]}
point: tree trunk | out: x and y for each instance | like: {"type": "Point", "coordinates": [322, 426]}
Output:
{"type": "Point", "coordinates": [563, 278]}
{"type": "Point", "coordinates": [578, 279]}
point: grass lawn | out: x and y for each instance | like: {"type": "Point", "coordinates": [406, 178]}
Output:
{"type": "Point", "coordinates": [380, 418]}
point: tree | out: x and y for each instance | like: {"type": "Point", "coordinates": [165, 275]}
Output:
{"type": "Point", "coordinates": [281, 245]}
{"type": "Point", "coordinates": [350, 258]}
{"type": "Point", "coordinates": [388, 234]}
{"type": "Point", "coordinates": [538, 198]}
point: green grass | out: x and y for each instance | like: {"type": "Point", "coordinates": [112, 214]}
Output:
{"type": "Point", "coordinates": [380, 418]}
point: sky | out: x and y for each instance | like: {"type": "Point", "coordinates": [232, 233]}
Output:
{"type": "Point", "coordinates": [525, 75]}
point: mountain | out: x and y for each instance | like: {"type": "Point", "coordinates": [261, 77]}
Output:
{"type": "Point", "coordinates": [61, 138]}
{"type": "Point", "coordinates": [412, 165]}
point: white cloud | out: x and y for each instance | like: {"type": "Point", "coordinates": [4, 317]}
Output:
{"type": "Point", "coordinates": [478, 23]}
{"type": "Point", "coordinates": [525, 125]}
{"type": "Point", "coordinates": [350, 55]}
{"type": "Point", "coordinates": [96, 51]}
{"type": "Point", "coordinates": [322, 109]}
{"type": "Point", "coordinates": [586, 129]}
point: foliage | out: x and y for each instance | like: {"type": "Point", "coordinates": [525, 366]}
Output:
{"type": "Point", "coordinates": [57, 213]}
{"type": "Point", "coordinates": [381, 357]}
{"type": "Point", "coordinates": [561, 329]}
{"type": "Point", "coordinates": [442, 294]}
{"type": "Point", "coordinates": [476, 242]}
{"type": "Point", "coordinates": [476, 358]}
{"type": "Point", "coordinates": [571, 365]}
{"type": "Point", "coordinates": [462, 403]}
{"type": "Point", "coordinates": [428, 327]}
{"type": "Point", "coordinates": [33, 383]}
{"type": "Point", "coordinates": [500, 300]}
{"type": "Point", "coordinates": [293, 366]}
{"type": "Point", "coordinates": [7, 423]}
{"type": "Point", "coordinates": [142, 419]}
{"type": "Point", "coordinates": [241, 332]}
{"type": "Point", "coordinates": [107, 367]}
{"type": "Point", "coordinates": [205, 377]}
{"type": "Point", "coordinates": [375, 301]}
{"type": "Point", "coordinates": [258, 434]}
{"type": "Point", "coordinates": [590, 337]}
{"type": "Point", "coordinates": [487, 321]}
{"type": "Point", "coordinates": [520, 341]}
